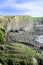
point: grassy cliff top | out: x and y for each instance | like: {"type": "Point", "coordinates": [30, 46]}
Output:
{"type": "Point", "coordinates": [17, 52]}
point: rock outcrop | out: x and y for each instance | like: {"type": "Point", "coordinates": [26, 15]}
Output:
{"type": "Point", "coordinates": [26, 38]}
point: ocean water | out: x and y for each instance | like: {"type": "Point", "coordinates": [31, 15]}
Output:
{"type": "Point", "coordinates": [40, 39]}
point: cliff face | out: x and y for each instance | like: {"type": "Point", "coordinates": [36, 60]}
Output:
{"type": "Point", "coordinates": [17, 22]}
{"type": "Point", "coordinates": [26, 23]}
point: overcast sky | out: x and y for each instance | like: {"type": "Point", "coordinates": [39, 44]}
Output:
{"type": "Point", "coordinates": [21, 7]}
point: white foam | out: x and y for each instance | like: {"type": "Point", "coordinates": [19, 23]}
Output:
{"type": "Point", "coordinates": [40, 39]}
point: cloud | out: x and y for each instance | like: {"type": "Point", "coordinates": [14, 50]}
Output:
{"type": "Point", "coordinates": [22, 7]}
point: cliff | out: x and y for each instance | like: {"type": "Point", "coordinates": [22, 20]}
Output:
{"type": "Point", "coordinates": [17, 22]}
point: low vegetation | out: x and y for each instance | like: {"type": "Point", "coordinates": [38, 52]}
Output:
{"type": "Point", "coordinates": [2, 33]}
{"type": "Point", "coordinates": [17, 54]}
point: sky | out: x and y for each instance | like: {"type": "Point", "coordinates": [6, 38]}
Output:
{"type": "Point", "coordinates": [22, 7]}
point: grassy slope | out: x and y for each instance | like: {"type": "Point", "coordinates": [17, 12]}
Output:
{"type": "Point", "coordinates": [17, 52]}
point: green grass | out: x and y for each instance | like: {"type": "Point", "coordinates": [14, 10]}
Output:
{"type": "Point", "coordinates": [17, 52]}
